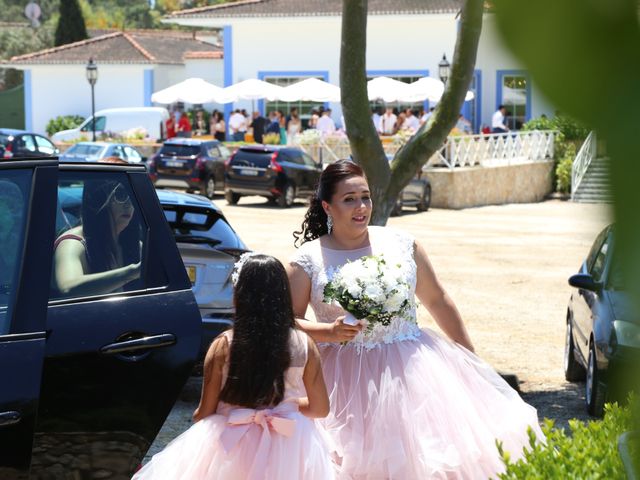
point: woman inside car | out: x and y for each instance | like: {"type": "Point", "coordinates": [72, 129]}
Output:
{"type": "Point", "coordinates": [101, 255]}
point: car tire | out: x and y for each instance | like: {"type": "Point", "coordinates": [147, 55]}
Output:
{"type": "Point", "coordinates": [288, 195]}
{"type": "Point", "coordinates": [594, 391]}
{"type": "Point", "coordinates": [573, 370]}
{"type": "Point", "coordinates": [231, 197]}
{"type": "Point", "coordinates": [425, 201]}
{"type": "Point", "coordinates": [210, 187]}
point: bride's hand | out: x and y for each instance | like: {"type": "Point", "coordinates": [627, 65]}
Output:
{"type": "Point", "coordinates": [343, 332]}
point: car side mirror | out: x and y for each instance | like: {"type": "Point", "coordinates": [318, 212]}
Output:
{"type": "Point", "coordinates": [585, 282]}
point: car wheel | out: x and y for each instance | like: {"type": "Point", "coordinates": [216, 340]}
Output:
{"type": "Point", "coordinates": [210, 186]}
{"type": "Point", "coordinates": [594, 391]}
{"type": "Point", "coordinates": [573, 371]}
{"type": "Point", "coordinates": [286, 199]}
{"type": "Point", "coordinates": [425, 201]}
{"type": "Point", "coordinates": [231, 197]}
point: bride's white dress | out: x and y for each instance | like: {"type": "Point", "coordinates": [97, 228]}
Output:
{"type": "Point", "coordinates": [407, 403]}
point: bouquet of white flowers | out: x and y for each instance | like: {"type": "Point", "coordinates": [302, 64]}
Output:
{"type": "Point", "coordinates": [370, 289]}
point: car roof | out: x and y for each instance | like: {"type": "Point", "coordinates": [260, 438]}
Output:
{"type": "Point", "coordinates": [268, 148]}
{"type": "Point", "coordinates": [187, 141]}
{"type": "Point", "coordinates": [11, 131]}
{"type": "Point", "coordinates": [98, 144]}
{"type": "Point", "coordinates": [170, 197]}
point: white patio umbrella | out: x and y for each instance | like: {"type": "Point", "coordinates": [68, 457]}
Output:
{"type": "Point", "coordinates": [311, 89]}
{"type": "Point", "coordinates": [388, 90]}
{"type": "Point", "coordinates": [251, 89]}
{"type": "Point", "coordinates": [192, 90]}
{"type": "Point", "coordinates": [429, 88]}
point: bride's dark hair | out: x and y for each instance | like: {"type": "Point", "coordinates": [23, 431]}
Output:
{"type": "Point", "coordinates": [314, 224]}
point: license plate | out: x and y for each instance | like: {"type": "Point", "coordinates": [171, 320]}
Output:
{"type": "Point", "coordinates": [253, 173]}
{"type": "Point", "coordinates": [191, 271]}
{"type": "Point", "coordinates": [173, 163]}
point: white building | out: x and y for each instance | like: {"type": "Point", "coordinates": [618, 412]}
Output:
{"type": "Point", "coordinates": [284, 41]}
{"type": "Point", "coordinates": [131, 66]}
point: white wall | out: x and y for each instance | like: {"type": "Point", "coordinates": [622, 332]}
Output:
{"type": "Point", "coordinates": [64, 90]}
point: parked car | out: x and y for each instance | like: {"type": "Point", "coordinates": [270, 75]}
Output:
{"type": "Point", "coordinates": [602, 341]}
{"type": "Point", "coordinates": [95, 151]}
{"type": "Point", "coordinates": [87, 378]}
{"type": "Point", "coordinates": [280, 174]}
{"type": "Point", "coordinates": [118, 120]}
{"type": "Point", "coordinates": [21, 144]}
{"type": "Point", "coordinates": [190, 164]}
{"type": "Point", "coordinates": [209, 247]}
{"type": "Point", "coordinates": [416, 194]}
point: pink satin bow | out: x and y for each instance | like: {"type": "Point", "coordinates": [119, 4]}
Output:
{"type": "Point", "coordinates": [270, 419]}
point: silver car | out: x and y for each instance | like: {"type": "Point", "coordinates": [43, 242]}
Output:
{"type": "Point", "coordinates": [209, 248]}
{"type": "Point", "coordinates": [95, 151]}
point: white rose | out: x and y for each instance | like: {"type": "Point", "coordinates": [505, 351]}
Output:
{"type": "Point", "coordinates": [394, 302]}
{"type": "Point", "coordinates": [374, 292]}
{"type": "Point", "coordinates": [354, 290]}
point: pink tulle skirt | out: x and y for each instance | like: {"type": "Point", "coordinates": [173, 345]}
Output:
{"type": "Point", "coordinates": [214, 449]}
{"type": "Point", "coordinates": [421, 409]}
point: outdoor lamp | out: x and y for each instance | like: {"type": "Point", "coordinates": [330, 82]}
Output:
{"type": "Point", "coordinates": [92, 78]}
{"type": "Point", "coordinates": [444, 67]}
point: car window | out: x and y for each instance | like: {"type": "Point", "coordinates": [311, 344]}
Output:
{"type": "Point", "coordinates": [212, 151]}
{"type": "Point", "coordinates": [224, 151]}
{"type": "Point", "coordinates": [118, 151]}
{"type": "Point", "coordinates": [14, 191]}
{"type": "Point", "coordinates": [132, 155]}
{"type": "Point", "coordinates": [600, 261]}
{"type": "Point", "coordinates": [616, 276]}
{"type": "Point", "coordinates": [25, 144]}
{"type": "Point", "coordinates": [100, 124]}
{"type": "Point", "coordinates": [595, 248]}
{"type": "Point", "coordinates": [206, 225]}
{"type": "Point", "coordinates": [44, 145]}
{"type": "Point", "coordinates": [87, 150]}
{"type": "Point", "coordinates": [101, 236]}
{"type": "Point", "coordinates": [4, 139]}
{"type": "Point", "coordinates": [172, 150]}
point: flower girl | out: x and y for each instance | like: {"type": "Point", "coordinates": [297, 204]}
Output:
{"type": "Point", "coordinates": [262, 385]}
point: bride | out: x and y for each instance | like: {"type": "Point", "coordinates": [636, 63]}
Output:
{"type": "Point", "coordinates": [406, 402]}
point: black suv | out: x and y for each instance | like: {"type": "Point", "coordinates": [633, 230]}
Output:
{"type": "Point", "coordinates": [90, 372]}
{"type": "Point", "coordinates": [191, 164]}
{"type": "Point", "coordinates": [279, 173]}
{"type": "Point", "coordinates": [20, 144]}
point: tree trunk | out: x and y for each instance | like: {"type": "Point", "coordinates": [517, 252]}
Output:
{"type": "Point", "coordinates": [386, 182]}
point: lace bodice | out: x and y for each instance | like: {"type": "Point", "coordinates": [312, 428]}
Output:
{"type": "Point", "coordinates": [320, 262]}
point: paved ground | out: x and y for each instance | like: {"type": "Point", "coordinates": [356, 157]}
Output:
{"type": "Point", "coordinates": [506, 267]}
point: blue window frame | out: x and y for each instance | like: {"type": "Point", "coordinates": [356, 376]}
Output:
{"type": "Point", "coordinates": [513, 90]}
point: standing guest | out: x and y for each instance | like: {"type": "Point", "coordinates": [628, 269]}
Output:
{"type": "Point", "coordinates": [406, 402]}
{"type": "Point", "coordinates": [497, 120]}
{"type": "Point", "coordinates": [294, 126]}
{"type": "Point", "coordinates": [388, 122]}
{"type": "Point", "coordinates": [313, 119]}
{"type": "Point", "coordinates": [200, 125]}
{"type": "Point", "coordinates": [427, 115]}
{"type": "Point", "coordinates": [283, 127]}
{"type": "Point", "coordinates": [184, 126]}
{"type": "Point", "coordinates": [262, 387]}
{"type": "Point", "coordinates": [218, 127]}
{"type": "Point", "coordinates": [411, 121]}
{"type": "Point", "coordinates": [170, 125]}
{"type": "Point", "coordinates": [377, 119]}
{"type": "Point", "coordinates": [464, 125]}
{"type": "Point", "coordinates": [257, 126]}
{"type": "Point", "coordinates": [237, 126]}
{"type": "Point", "coordinates": [325, 123]}
{"type": "Point", "coordinates": [401, 123]}
{"type": "Point", "coordinates": [274, 123]}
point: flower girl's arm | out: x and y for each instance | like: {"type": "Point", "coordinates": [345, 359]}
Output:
{"type": "Point", "coordinates": [432, 294]}
{"type": "Point", "coordinates": [212, 381]}
{"type": "Point", "coordinates": [316, 403]}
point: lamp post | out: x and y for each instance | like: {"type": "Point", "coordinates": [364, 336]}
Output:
{"type": "Point", "coordinates": [444, 68]}
{"type": "Point", "coordinates": [92, 78]}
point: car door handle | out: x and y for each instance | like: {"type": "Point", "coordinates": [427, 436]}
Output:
{"type": "Point", "coordinates": [9, 418]}
{"type": "Point", "coordinates": [143, 343]}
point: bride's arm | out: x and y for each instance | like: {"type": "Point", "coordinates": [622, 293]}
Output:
{"type": "Point", "coordinates": [434, 297]}
{"type": "Point", "coordinates": [300, 295]}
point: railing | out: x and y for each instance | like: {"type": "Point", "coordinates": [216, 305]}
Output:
{"type": "Point", "coordinates": [459, 150]}
{"type": "Point", "coordinates": [583, 159]}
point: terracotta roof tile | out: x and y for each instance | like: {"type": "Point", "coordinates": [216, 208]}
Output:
{"type": "Point", "coordinates": [124, 47]}
{"type": "Point", "coordinates": [297, 8]}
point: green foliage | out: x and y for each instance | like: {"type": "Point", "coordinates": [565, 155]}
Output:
{"type": "Point", "coordinates": [71, 27]}
{"type": "Point", "coordinates": [271, 138]}
{"type": "Point", "coordinates": [569, 127]}
{"type": "Point", "coordinates": [563, 170]}
{"type": "Point", "coordinates": [16, 41]}
{"type": "Point", "coordinates": [589, 452]}
{"type": "Point", "coordinates": [63, 122]}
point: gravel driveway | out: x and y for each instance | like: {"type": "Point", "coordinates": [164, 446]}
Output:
{"type": "Point", "coordinates": [506, 268]}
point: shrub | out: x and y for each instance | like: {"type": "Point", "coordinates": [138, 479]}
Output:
{"type": "Point", "coordinates": [563, 169]}
{"type": "Point", "coordinates": [570, 129]}
{"type": "Point", "coordinates": [589, 452]}
{"type": "Point", "coordinates": [63, 122]}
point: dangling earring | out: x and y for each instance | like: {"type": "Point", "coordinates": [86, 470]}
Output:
{"type": "Point", "coordinates": [329, 224]}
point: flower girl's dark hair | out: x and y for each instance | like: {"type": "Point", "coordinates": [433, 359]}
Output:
{"type": "Point", "coordinates": [314, 224]}
{"type": "Point", "coordinates": [259, 353]}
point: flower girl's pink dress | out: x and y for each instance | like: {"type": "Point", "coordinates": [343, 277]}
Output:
{"type": "Point", "coordinates": [407, 403]}
{"type": "Point", "coordinates": [238, 443]}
